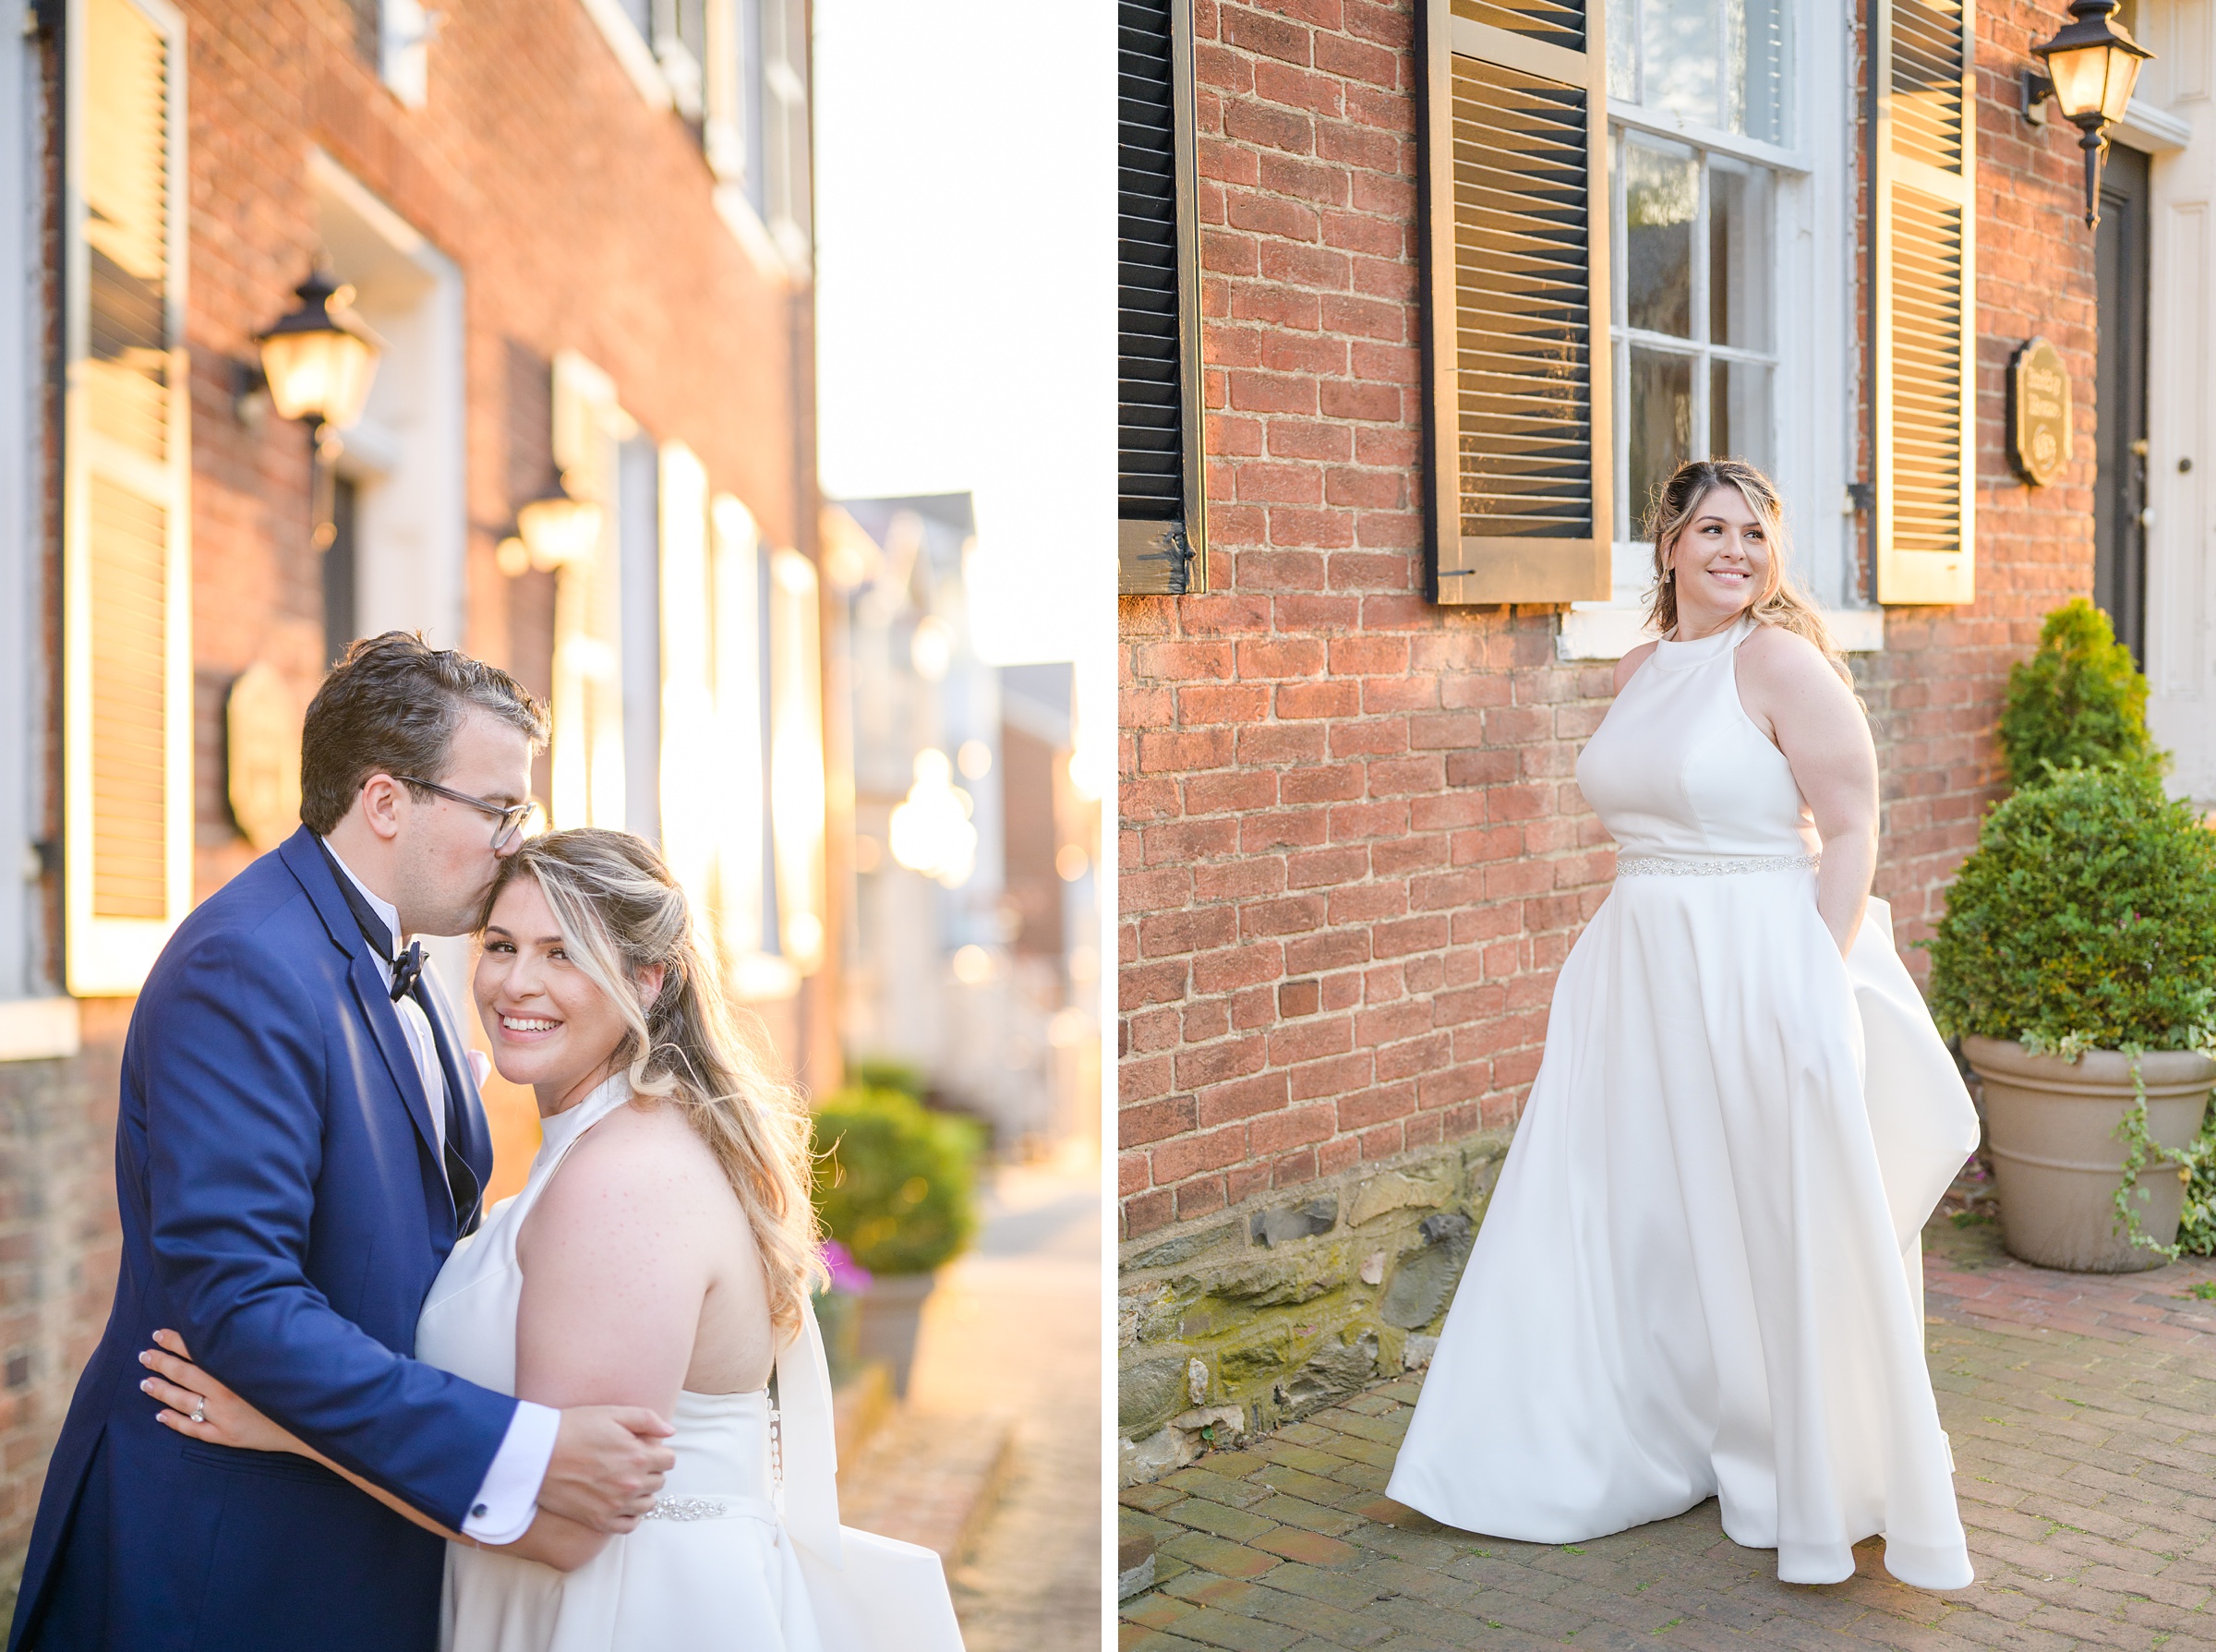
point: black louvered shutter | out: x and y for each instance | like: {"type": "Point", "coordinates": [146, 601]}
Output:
{"type": "Point", "coordinates": [1158, 411]}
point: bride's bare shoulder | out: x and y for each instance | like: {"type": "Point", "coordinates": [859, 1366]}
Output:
{"type": "Point", "coordinates": [1628, 665]}
{"type": "Point", "coordinates": [1774, 657]}
{"type": "Point", "coordinates": [643, 1160]}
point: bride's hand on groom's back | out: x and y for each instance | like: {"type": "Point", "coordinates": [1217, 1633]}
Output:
{"type": "Point", "coordinates": [607, 1467]}
{"type": "Point", "coordinates": [199, 1407]}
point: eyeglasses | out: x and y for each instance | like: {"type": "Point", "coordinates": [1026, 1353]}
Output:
{"type": "Point", "coordinates": [513, 817]}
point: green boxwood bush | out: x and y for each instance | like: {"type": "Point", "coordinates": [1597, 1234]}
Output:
{"type": "Point", "coordinates": [2085, 919]}
{"type": "Point", "coordinates": [895, 1182]}
{"type": "Point", "coordinates": [2077, 700]}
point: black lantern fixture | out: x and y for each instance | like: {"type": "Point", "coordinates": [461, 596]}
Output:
{"type": "Point", "coordinates": [318, 362]}
{"type": "Point", "coordinates": [2092, 64]}
{"type": "Point", "coordinates": [558, 529]}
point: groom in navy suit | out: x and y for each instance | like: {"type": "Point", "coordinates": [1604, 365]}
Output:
{"type": "Point", "coordinates": [299, 1146]}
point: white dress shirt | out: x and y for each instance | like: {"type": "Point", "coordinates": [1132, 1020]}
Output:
{"type": "Point", "coordinates": [503, 1510]}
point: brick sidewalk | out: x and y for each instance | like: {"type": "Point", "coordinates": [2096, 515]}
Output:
{"type": "Point", "coordinates": [2083, 1416]}
{"type": "Point", "coordinates": [1013, 1333]}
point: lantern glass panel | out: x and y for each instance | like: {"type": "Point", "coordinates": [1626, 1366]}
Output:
{"type": "Point", "coordinates": [2123, 74]}
{"type": "Point", "coordinates": [2081, 76]}
{"type": "Point", "coordinates": [560, 531]}
{"type": "Point", "coordinates": [323, 375]}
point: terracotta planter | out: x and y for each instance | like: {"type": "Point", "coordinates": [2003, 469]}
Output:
{"type": "Point", "coordinates": [2051, 1125]}
{"type": "Point", "coordinates": [890, 1314]}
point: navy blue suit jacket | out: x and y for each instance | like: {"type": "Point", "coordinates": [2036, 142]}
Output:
{"type": "Point", "coordinates": [284, 1209]}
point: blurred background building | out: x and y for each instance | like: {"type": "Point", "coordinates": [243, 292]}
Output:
{"type": "Point", "coordinates": [971, 930]}
{"type": "Point", "coordinates": [542, 278]}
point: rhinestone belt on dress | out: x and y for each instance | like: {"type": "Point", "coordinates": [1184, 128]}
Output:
{"type": "Point", "coordinates": [687, 1508]}
{"type": "Point", "coordinates": [1671, 866]}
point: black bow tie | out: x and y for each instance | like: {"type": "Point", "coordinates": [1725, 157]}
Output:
{"type": "Point", "coordinates": [408, 970]}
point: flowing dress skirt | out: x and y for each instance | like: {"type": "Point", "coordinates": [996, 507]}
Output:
{"type": "Point", "coordinates": [1700, 1274]}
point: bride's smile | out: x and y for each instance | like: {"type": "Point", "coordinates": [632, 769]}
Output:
{"type": "Point", "coordinates": [550, 1024]}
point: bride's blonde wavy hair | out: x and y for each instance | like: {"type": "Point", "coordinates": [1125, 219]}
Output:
{"type": "Point", "coordinates": [620, 914]}
{"type": "Point", "coordinates": [1780, 602]}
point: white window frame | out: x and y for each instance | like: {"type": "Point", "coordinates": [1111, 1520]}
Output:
{"type": "Point", "coordinates": [404, 50]}
{"type": "Point", "coordinates": [1812, 436]}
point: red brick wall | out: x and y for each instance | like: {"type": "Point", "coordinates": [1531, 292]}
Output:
{"type": "Point", "coordinates": [1352, 855]}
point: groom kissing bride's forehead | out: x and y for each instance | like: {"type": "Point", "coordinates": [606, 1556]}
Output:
{"type": "Point", "coordinates": [299, 1148]}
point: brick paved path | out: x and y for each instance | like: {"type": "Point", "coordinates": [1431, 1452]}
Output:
{"type": "Point", "coordinates": [1013, 1331]}
{"type": "Point", "coordinates": [2083, 1416]}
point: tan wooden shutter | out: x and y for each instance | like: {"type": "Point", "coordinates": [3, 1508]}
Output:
{"type": "Point", "coordinates": [126, 580]}
{"type": "Point", "coordinates": [1515, 222]}
{"type": "Point", "coordinates": [1926, 275]}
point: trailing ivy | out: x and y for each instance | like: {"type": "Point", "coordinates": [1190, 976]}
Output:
{"type": "Point", "coordinates": [2077, 700]}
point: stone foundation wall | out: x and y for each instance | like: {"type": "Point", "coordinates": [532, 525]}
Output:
{"type": "Point", "coordinates": [1288, 1303]}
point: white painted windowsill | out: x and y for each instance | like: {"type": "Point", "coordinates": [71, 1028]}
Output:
{"type": "Point", "coordinates": [39, 1029]}
{"type": "Point", "coordinates": [1611, 630]}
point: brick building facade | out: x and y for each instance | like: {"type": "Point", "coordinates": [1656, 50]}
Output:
{"type": "Point", "coordinates": [1354, 855]}
{"type": "Point", "coordinates": [582, 231]}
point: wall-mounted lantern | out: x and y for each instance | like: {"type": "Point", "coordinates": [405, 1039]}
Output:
{"type": "Point", "coordinates": [558, 529]}
{"type": "Point", "coordinates": [321, 359]}
{"type": "Point", "coordinates": [2092, 64]}
{"type": "Point", "coordinates": [318, 363]}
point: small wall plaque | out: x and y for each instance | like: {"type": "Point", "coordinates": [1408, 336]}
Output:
{"type": "Point", "coordinates": [2039, 412]}
{"type": "Point", "coordinates": [262, 721]}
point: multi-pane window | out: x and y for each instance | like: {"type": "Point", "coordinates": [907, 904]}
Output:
{"type": "Point", "coordinates": [1694, 313]}
{"type": "Point", "coordinates": [1695, 348]}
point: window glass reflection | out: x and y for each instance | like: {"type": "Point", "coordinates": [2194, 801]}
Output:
{"type": "Point", "coordinates": [1659, 409]}
{"type": "Point", "coordinates": [1661, 199]}
{"type": "Point", "coordinates": [1715, 63]}
{"type": "Point", "coordinates": [1740, 254]}
{"type": "Point", "coordinates": [1739, 412]}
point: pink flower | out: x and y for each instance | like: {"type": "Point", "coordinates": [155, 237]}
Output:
{"type": "Point", "coordinates": [846, 1274]}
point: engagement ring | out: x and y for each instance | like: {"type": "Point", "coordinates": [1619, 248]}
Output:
{"type": "Point", "coordinates": [200, 1409]}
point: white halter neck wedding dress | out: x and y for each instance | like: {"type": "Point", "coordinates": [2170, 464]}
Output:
{"type": "Point", "coordinates": [1701, 1274]}
{"type": "Point", "coordinates": [743, 1552]}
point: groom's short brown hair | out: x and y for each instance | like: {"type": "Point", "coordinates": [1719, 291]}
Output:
{"type": "Point", "coordinates": [391, 707]}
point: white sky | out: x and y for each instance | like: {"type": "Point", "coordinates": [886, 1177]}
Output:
{"type": "Point", "coordinates": [965, 157]}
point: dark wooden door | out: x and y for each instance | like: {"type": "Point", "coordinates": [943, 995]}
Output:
{"type": "Point", "coordinates": [2120, 400]}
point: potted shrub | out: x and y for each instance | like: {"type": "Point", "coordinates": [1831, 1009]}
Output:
{"type": "Point", "coordinates": [2077, 700]}
{"type": "Point", "coordinates": [2077, 963]}
{"type": "Point", "coordinates": [893, 1183]}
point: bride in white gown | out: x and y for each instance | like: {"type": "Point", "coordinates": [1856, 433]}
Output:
{"type": "Point", "coordinates": [1701, 1274]}
{"type": "Point", "coordinates": [666, 1266]}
